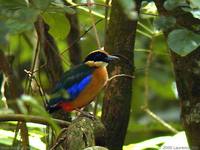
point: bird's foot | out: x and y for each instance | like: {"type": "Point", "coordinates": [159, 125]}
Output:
{"type": "Point", "coordinates": [86, 114]}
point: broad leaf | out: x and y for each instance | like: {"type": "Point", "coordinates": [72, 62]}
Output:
{"type": "Point", "coordinates": [195, 3]}
{"type": "Point", "coordinates": [17, 16]}
{"type": "Point", "coordinates": [129, 8]}
{"type": "Point", "coordinates": [183, 41]}
{"type": "Point", "coordinates": [148, 144]}
{"type": "Point", "coordinates": [194, 12]}
{"type": "Point", "coordinates": [58, 23]}
{"type": "Point", "coordinates": [178, 141]}
{"type": "Point", "coordinates": [23, 20]}
{"type": "Point", "coordinates": [41, 4]}
{"type": "Point", "coordinates": [172, 4]}
{"type": "Point", "coordinates": [163, 23]}
{"type": "Point", "coordinates": [60, 7]}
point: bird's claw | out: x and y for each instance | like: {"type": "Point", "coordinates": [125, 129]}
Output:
{"type": "Point", "coordinates": [86, 114]}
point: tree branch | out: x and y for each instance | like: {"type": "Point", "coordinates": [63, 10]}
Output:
{"type": "Point", "coordinates": [31, 118]}
{"type": "Point", "coordinates": [14, 86]}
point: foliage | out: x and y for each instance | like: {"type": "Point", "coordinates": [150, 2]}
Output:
{"type": "Point", "coordinates": [52, 20]}
{"type": "Point", "coordinates": [178, 141]}
{"type": "Point", "coordinates": [36, 132]}
{"type": "Point", "coordinates": [183, 41]}
{"type": "Point", "coordinates": [19, 15]}
{"type": "Point", "coordinates": [129, 8]}
{"type": "Point", "coordinates": [163, 22]}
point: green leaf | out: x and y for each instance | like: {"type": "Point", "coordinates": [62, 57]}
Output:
{"type": "Point", "coordinates": [58, 23]}
{"type": "Point", "coordinates": [178, 141]}
{"type": "Point", "coordinates": [37, 109]}
{"type": "Point", "coordinates": [148, 144]}
{"type": "Point", "coordinates": [195, 3]}
{"type": "Point", "coordinates": [23, 20]}
{"type": "Point", "coordinates": [13, 3]}
{"type": "Point", "coordinates": [183, 41]}
{"type": "Point", "coordinates": [129, 8]}
{"type": "Point", "coordinates": [194, 12]}
{"type": "Point", "coordinates": [17, 16]}
{"type": "Point", "coordinates": [172, 4]}
{"type": "Point", "coordinates": [41, 4]}
{"type": "Point", "coordinates": [8, 8]}
{"type": "Point", "coordinates": [60, 7]}
{"type": "Point", "coordinates": [164, 22]}
{"type": "Point", "coordinates": [6, 138]}
{"type": "Point", "coordinates": [3, 32]}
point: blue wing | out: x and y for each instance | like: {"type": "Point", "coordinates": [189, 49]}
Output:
{"type": "Point", "coordinates": [75, 89]}
{"type": "Point", "coordinates": [70, 86]}
{"type": "Point", "coordinates": [73, 76]}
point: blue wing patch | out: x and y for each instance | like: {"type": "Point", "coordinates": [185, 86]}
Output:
{"type": "Point", "coordinates": [75, 89]}
{"type": "Point", "coordinates": [69, 93]}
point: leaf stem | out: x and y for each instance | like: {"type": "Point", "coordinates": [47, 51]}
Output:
{"type": "Point", "coordinates": [143, 33]}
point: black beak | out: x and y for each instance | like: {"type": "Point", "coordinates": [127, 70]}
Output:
{"type": "Point", "coordinates": [111, 58]}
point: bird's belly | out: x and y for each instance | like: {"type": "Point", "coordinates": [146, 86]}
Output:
{"type": "Point", "coordinates": [98, 81]}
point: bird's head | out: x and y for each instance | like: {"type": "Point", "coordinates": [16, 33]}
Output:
{"type": "Point", "coordinates": [99, 58]}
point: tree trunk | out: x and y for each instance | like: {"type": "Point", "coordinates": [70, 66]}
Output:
{"type": "Point", "coordinates": [54, 65]}
{"type": "Point", "coordinates": [187, 76]}
{"type": "Point", "coordinates": [117, 100]}
{"type": "Point", "coordinates": [73, 38]}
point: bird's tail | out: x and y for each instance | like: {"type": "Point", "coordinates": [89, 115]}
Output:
{"type": "Point", "coordinates": [53, 104]}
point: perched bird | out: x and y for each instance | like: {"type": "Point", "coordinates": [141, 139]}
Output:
{"type": "Point", "coordinates": [80, 85]}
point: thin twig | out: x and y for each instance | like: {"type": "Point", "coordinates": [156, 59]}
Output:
{"type": "Point", "coordinates": [5, 67]}
{"type": "Point", "coordinates": [42, 66]}
{"type": "Point", "coordinates": [59, 55]}
{"type": "Point", "coordinates": [85, 9]}
{"type": "Point", "coordinates": [158, 119]}
{"type": "Point", "coordinates": [146, 77]}
{"type": "Point", "coordinates": [93, 24]}
{"type": "Point", "coordinates": [148, 51]}
{"type": "Point", "coordinates": [144, 34]}
{"type": "Point", "coordinates": [80, 37]}
{"type": "Point", "coordinates": [59, 139]}
{"type": "Point", "coordinates": [41, 91]}
{"type": "Point", "coordinates": [3, 85]}
{"type": "Point", "coordinates": [155, 15]}
{"type": "Point", "coordinates": [31, 118]}
{"type": "Point", "coordinates": [91, 4]}
{"type": "Point", "coordinates": [16, 133]}
{"type": "Point", "coordinates": [28, 85]}
{"type": "Point", "coordinates": [145, 27]}
{"type": "Point", "coordinates": [120, 75]}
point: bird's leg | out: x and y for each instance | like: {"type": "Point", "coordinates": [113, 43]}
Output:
{"type": "Point", "coordinates": [84, 113]}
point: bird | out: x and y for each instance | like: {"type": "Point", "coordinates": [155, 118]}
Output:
{"type": "Point", "coordinates": [81, 84]}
